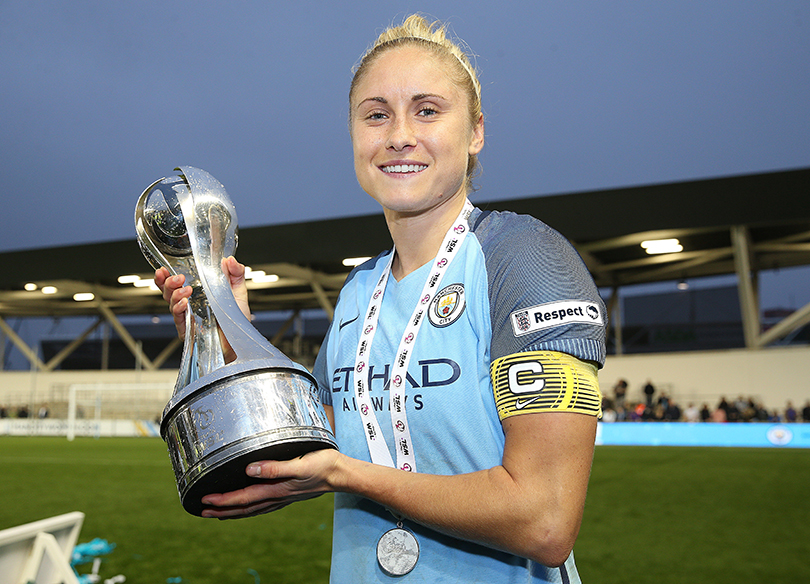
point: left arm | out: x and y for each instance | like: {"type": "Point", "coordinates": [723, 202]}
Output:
{"type": "Point", "coordinates": [531, 505]}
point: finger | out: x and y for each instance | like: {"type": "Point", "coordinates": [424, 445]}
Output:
{"type": "Point", "coordinates": [178, 307]}
{"type": "Point", "coordinates": [257, 493]}
{"type": "Point", "coordinates": [160, 277]}
{"type": "Point", "coordinates": [232, 267]}
{"type": "Point", "coordinates": [274, 470]}
{"type": "Point", "coordinates": [172, 284]}
{"type": "Point", "coordinates": [178, 312]}
{"type": "Point", "coordinates": [178, 302]}
{"type": "Point", "coordinates": [236, 276]}
{"type": "Point", "coordinates": [241, 512]}
{"type": "Point", "coordinates": [257, 507]}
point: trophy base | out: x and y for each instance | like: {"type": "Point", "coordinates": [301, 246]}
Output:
{"type": "Point", "coordinates": [230, 475]}
{"type": "Point", "coordinates": [218, 426]}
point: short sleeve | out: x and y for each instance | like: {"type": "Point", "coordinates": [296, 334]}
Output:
{"type": "Point", "coordinates": [542, 297]}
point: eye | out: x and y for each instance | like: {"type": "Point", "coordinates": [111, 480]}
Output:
{"type": "Point", "coordinates": [375, 116]}
{"type": "Point", "coordinates": [427, 111]}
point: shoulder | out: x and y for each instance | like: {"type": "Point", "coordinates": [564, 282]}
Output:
{"type": "Point", "coordinates": [361, 281]}
{"type": "Point", "coordinates": [541, 294]}
{"type": "Point", "coordinates": [490, 226]}
{"type": "Point", "coordinates": [360, 274]}
{"type": "Point", "coordinates": [523, 248]}
{"type": "Point", "coordinates": [505, 236]}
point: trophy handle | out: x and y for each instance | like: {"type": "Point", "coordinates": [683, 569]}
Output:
{"type": "Point", "coordinates": [212, 237]}
{"type": "Point", "coordinates": [202, 349]}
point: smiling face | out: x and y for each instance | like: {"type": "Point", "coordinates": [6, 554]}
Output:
{"type": "Point", "coordinates": [411, 132]}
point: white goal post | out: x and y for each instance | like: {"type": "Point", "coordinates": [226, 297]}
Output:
{"type": "Point", "coordinates": [94, 405]}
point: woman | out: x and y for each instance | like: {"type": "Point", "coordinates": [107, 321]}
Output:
{"type": "Point", "coordinates": [459, 372]}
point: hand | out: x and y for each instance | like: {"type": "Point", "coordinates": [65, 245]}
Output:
{"type": "Point", "coordinates": [284, 482]}
{"type": "Point", "coordinates": [177, 295]}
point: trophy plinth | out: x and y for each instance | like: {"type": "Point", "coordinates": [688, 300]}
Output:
{"type": "Point", "coordinates": [221, 417]}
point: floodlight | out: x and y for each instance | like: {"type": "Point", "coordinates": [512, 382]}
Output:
{"type": "Point", "coordinates": [352, 262]}
{"type": "Point", "coordinates": [656, 246]}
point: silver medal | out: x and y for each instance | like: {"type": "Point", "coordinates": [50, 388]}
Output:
{"type": "Point", "coordinates": [397, 551]}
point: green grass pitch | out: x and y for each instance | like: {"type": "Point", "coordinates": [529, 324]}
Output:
{"type": "Point", "coordinates": [654, 514]}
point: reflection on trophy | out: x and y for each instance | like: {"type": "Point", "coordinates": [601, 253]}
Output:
{"type": "Point", "coordinates": [221, 417]}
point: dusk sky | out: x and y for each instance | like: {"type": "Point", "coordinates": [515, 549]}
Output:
{"type": "Point", "coordinates": [99, 99]}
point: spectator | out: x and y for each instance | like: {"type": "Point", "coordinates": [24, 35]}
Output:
{"type": "Point", "coordinates": [761, 414]}
{"type": "Point", "coordinates": [634, 414]}
{"type": "Point", "coordinates": [620, 392]}
{"type": "Point", "coordinates": [723, 405]}
{"type": "Point", "coordinates": [649, 391]}
{"type": "Point", "coordinates": [673, 412]}
{"type": "Point", "coordinates": [691, 414]}
{"type": "Point", "coordinates": [748, 411]}
{"type": "Point", "coordinates": [719, 415]}
{"type": "Point", "coordinates": [806, 412]}
{"type": "Point", "coordinates": [731, 411]}
{"type": "Point", "coordinates": [705, 413]}
{"type": "Point", "coordinates": [790, 413]}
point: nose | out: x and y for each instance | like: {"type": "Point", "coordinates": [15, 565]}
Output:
{"type": "Point", "coordinates": [402, 134]}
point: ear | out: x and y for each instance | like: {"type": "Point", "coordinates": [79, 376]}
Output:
{"type": "Point", "coordinates": [477, 141]}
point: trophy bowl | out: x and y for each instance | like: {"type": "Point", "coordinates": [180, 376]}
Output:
{"type": "Point", "coordinates": [222, 416]}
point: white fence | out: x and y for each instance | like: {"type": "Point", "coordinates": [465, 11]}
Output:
{"type": "Point", "coordinates": [92, 428]}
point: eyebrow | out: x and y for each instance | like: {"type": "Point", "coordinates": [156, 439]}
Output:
{"type": "Point", "coordinates": [417, 97]}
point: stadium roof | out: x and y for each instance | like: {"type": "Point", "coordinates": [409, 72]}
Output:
{"type": "Point", "coordinates": [738, 224]}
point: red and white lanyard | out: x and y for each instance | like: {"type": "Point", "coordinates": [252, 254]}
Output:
{"type": "Point", "coordinates": [406, 459]}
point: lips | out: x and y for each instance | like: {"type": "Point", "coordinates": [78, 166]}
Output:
{"type": "Point", "coordinates": [403, 168]}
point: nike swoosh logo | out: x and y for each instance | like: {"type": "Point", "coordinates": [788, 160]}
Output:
{"type": "Point", "coordinates": [519, 405]}
{"type": "Point", "coordinates": [342, 324]}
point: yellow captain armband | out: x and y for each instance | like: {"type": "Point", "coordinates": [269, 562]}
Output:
{"type": "Point", "coordinates": [545, 381]}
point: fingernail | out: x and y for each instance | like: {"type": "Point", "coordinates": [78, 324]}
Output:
{"type": "Point", "coordinates": [254, 470]}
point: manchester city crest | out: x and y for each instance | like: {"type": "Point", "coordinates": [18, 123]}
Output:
{"type": "Point", "coordinates": [447, 305]}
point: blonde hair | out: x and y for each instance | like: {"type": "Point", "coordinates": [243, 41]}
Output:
{"type": "Point", "coordinates": [415, 30]}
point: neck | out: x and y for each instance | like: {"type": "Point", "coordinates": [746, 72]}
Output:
{"type": "Point", "coordinates": [417, 237]}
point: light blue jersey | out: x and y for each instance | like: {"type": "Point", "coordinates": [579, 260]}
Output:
{"type": "Point", "coordinates": [487, 308]}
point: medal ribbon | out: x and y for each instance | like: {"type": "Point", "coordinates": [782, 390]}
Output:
{"type": "Point", "coordinates": [406, 459]}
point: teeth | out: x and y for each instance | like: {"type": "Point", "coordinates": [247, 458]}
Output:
{"type": "Point", "coordinates": [404, 168]}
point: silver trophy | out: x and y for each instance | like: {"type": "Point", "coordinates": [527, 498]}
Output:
{"type": "Point", "coordinates": [222, 416]}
